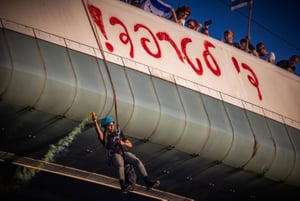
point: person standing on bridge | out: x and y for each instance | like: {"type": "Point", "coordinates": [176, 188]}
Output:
{"type": "Point", "coordinates": [117, 146]}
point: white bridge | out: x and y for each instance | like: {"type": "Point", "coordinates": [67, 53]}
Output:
{"type": "Point", "coordinates": [210, 121]}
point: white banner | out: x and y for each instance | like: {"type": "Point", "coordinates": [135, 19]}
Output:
{"type": "Point", "coordinates": [160, 43]}
{"type": "Point", "coordinates": [132, 33]}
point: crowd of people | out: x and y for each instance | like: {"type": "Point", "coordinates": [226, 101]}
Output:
{"type": "Point", "coordinates": [181, 17]}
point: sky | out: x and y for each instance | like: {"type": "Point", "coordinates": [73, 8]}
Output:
{"type": "Point", "coordinates": [274, 24]}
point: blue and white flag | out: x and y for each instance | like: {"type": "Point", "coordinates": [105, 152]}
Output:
{"type": "Point", "coordinates": [235, 4]}
{"type": "Point", "coordinates": [157, 7]}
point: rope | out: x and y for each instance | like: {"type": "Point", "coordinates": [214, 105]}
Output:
{"type": "Point", "coordinates": [105, 63]}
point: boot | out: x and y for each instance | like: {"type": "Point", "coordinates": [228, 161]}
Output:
{"type": "Point", "coordinates": [125, 188]}
{"type": "Point", "coordinates": [151, 184]}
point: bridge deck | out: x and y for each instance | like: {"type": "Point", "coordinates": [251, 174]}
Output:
{"type": "Point", "coordinates": [96, 178]}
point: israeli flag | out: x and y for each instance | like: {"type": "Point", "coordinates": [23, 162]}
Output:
{"type": "Point", "coordinates": [235, 4]}
{"type": "Point", "coordinates": [158, 7]}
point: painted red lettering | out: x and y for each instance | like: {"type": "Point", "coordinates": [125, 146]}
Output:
{"type": "Point", "coordinates": [252, 79]}
{"type": "Point", "coordinates": [236, 64]}
{"type": "Point", "coordinates": [97, 17]}
{"type": "Point", "coordinates": [207, 54]}
{"type": "Point", "coordinates": [166, 37]}
{"type": "Point", "coordinates": [184, 43]}
{"type": "Point", "coordinates": [144, 41]}
{"type": "Point", "coordinates": [163, 36]}
{"type": "Point", "coordinates": [124, 37]}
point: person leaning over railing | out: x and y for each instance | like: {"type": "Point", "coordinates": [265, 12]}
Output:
{"type": "Point", "coordinates": [181, 15]}
{"type": "Point", "coordinates": [248, 48]}
{"type": "Point", "coordinates": [263, 54]}
{"type": "Point", "coordinates": [228, 39]}
{"type": "Point", "coordinates": [289, 65]}
{"type": "Point", "coordinates": [193, 24]}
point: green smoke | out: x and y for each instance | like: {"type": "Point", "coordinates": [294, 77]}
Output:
{"type": "Point", "coordinates": [24, 174]}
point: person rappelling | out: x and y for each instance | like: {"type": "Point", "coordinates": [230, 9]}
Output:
{"type": "Point", "coordinates": [117, 146]}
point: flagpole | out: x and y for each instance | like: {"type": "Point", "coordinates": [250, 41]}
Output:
{"type": "Point", "coordinates": [249, 18]}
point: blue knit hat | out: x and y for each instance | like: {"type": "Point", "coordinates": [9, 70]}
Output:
{"type": "Point", "coordinates": [106, 120]}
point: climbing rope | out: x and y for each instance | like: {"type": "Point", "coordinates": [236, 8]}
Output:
{"type": "Point", "coordinates": [93, 26]}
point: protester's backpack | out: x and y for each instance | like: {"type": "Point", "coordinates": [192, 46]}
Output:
{"type": "Point", "coordinates": [130, 175]}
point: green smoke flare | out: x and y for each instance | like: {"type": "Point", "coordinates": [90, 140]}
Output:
{"type": "Point", "coordinates": [25, 174]}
